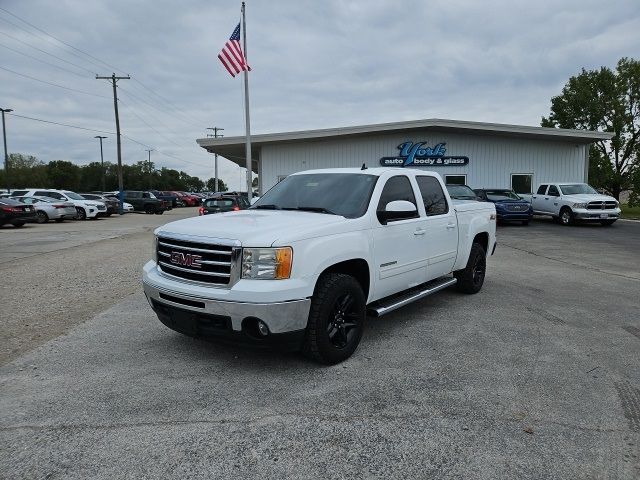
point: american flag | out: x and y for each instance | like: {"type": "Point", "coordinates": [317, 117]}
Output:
{"type": "Point", "coordinates": [231, 54]}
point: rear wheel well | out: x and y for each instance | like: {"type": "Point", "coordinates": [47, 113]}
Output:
{"type": "Point", "coordinates": [482, 239]}
{"type": "Point", "coordinates": [358, 268]}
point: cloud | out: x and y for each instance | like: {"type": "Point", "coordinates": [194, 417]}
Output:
{"type": "Point", "coordinates": [315, 65]}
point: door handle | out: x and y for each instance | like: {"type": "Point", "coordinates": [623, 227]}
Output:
{"type": "Point", "coordinates": [420, 231]}
{"type": "Point", "coordinates": [450, 226]}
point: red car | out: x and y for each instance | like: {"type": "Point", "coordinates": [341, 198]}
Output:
{"type": "Point", "coordinates": [190, 200]}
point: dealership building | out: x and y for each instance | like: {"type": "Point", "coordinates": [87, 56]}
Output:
{"type": "Point", "coordinates": [477, 154]}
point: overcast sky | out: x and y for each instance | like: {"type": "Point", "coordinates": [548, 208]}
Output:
{"type": "Point", "coordinates": [315, 64]}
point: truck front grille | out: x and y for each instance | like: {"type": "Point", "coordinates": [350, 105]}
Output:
{"type": "Point", "coordinates": [608, 205]}
{"type": "Point", "coordinates": [196, 261]}
{"type": "Point", "coordinates": [515, 207]}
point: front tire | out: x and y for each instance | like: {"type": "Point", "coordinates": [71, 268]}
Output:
{"type": "Point", "coordinates": [336, 319]}
{"type": "Point", "coordinates": [471, 278]}
{"type": "Point", "coordinates": [149, 209]}
{"type": "Point", "coordinates": [59, 220]}
{"type": "Point", "coordinates": [566, 217]}
{"type": "Point", "coordinates": [81, 213]}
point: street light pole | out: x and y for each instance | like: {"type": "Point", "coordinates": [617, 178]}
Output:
{"type": "Point", "coordinates": [149, 152]}
{"type": "Point", "coordinates": [6, 155]}
{"type": "Point", "coordinates": [101, 160]}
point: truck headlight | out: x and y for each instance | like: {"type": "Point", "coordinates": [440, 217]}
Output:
{"type": "Point", "coordinates": [267, 263]}
{"type": "Point", "coordinates": [579, 205]}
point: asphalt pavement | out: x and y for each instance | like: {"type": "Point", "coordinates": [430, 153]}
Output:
{"type": "Point", "coordinates": [537, 376]}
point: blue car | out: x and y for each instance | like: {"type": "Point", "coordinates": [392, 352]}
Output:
{"type": "Point", "coordinates": [509, 206]}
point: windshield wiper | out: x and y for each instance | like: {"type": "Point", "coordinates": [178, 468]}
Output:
{"type": "Point", "coordinates": [313, 209]}
{"type": "Point", "coordinates": [269, 206]}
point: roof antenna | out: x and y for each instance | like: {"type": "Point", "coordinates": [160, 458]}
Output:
{"type": "Point", "coordinates": [364, 166]}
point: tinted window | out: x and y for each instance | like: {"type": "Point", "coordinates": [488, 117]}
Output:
{"type": "Point", "coordinates": [19, 193]}
{"type": "Point", "coordinates": [455, 179]}
{"type": "Point", "coordinates": [42, 193]}
{"type": "Point", "coordinates": [346, 194]}
{"type": "Point", "coordinates": [396, 188]}
{"type": "Point", "coordinates": [577, 188]}
{"type": "Point", "coordinates": [542, 189]}
{"type": "Point", "coordinates": [461, 192]}
{"type": "Point", "coordinates": [435, 203]}
{"type": "Point", "coordinates": [553, 191]}
{"type": "Point", "coordinates": [221, 203]}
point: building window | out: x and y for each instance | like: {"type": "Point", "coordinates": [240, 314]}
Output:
{"type": "Point", "coordinates": [455, 179]}
{"type": "Point", "coordinates": [522, 182]}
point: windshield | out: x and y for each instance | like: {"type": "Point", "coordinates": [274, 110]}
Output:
{"type": "Point", "coordinates": [498, 195]}
{"type": "Point", "coordinates": [577, 188]}
{"type": "Point", "coordinates": [74, 196]}
{"type": "Point", "coordinates": [345, 194]}
{"type": "Point", "coordinates": [461, 192]}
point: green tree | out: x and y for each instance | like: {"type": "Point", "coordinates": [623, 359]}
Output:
{"type": "Point", "coordinates": [609, 101]}
{"type": "Point", "coordinates": [24, 171]}
{"type": "Point", "coordinates": [63, 175]}
{"type": "Point", "coordinates": [211, 185]}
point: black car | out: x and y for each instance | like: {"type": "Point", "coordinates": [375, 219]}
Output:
{"type": "Point", "coordinates": [16, 213]}
{"type": "Point", "coordinates": [224, 203]}
{"type": "Point", "coordinates": [144, 201]}
{"type": "Point", "coordinates": [170, 200]}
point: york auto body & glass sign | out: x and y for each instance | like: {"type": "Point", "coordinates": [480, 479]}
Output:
{"type": "Point", "coordinates": [420, 155]}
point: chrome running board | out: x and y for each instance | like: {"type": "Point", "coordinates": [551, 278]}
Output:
{"type": "Point", "coordinates": [382, 307]}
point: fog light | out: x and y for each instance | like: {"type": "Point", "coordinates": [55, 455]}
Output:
{"type": "Point", "coordinates": [262, 328]}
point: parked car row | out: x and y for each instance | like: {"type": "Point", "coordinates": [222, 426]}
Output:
{"type": "Point", "coordinates": [566, 203]}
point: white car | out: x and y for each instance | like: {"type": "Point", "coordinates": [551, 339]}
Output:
{"type": "Point", "coordinates": [127, 207]}
{"type": "Point", "coordinates": [48, 208]}
{"type": "Point", "coordinates": [303, 265]}
{"type": "Point", "coordinates": [84, 208]}
{"type": "Point", "coordinates": [567, 202]}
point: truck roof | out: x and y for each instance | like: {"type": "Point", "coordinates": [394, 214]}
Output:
{"type": "Point", "coordinates": [378, 171]}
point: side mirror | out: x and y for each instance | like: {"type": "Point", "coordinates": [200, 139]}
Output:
{"type": "Point", "coordinates": [397, 210]}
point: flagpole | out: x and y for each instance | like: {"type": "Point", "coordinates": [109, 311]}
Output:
{"type": "Point", "coordinates": [246, 108]}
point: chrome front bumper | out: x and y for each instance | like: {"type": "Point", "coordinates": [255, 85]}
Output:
{"type": "Point", "coordinates": [280, 317]}
{"type": "Point", "coordinates": [596, 215]}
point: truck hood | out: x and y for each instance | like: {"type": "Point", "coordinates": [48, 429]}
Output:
{"type": "Point", "coordinates": [260, 228]}
{"type": "Point", "coordinates": [589, 197]}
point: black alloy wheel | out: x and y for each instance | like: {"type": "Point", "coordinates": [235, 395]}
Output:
{"type": "Point", "coordinates": [566, 217]}
{"type": "Point", "coordinates": [342, 328]}
{"type": "Point", "coordinates": [336, 318]}
{"type": "Point", "coordinates": [471, 278]}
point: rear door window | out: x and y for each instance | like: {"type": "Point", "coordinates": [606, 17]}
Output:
{"type": "Point", "coordinates": [435, 202]}
{"type": "Point", "coordinates": [553, 191]}
{"type": "Point", "coordinates": [541, 189]}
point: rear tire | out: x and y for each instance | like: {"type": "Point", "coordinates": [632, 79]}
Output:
{"type": "Point", "coordinates": [41, 217]}
{"type": "Point", "coordinates": [159, 212]}
{"type": "Point", "coordinates": [566, 217]}
{"type": "Point", "coordinates": [471, 278]}
{"type": "Point", "coordinates": [336, 319]}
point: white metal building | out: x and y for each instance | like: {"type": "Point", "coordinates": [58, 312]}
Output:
{"type": "Point", "coordinates": [476, 154]}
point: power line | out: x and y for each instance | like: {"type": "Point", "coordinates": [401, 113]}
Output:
{"type": "Point", "coordinates": [40, 60]}
{"type": "Point", "coordinates": [53, 84]}
{"type": "Point", "coordinates": [110, 133]}
{"type": "Point", "coordinates": [45, 52]}
{"type": "Point", "coordinates": [169, 102]}
{"type": "Point", "coordinates": [58, 40]}
{"type": "Point", "coordinates": [61, 124]}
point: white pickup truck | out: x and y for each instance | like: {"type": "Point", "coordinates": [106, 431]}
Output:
{"type": "Point", "coordinates": [305, 264]}
{"type": "Point", "coordinates": [567, 202]}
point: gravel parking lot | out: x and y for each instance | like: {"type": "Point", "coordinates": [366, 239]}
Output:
{"type": "Point", "coordinates": [537, 376]}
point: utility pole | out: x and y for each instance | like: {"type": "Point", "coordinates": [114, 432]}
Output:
{"type": "Point", "coordinates": [6, 155]}
{"type": "Point", "coordinates": [114, 80]}
{"type": "Point", "coordinates": [215, 135]}
{"type": "Point", "coordinates": [101, 160]}
{"type": "Point", "coordinates": [149, 152]}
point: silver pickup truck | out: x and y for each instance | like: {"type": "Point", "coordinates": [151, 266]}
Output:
{"type": "Point", "coordinates": [568, 202]}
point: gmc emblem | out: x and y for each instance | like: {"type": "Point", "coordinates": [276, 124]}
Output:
{"type": "Point", "coordinates": [186, 259]}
